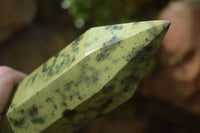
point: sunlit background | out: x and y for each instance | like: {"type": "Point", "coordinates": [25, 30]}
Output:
{"type": "Point", "coordinates": [168, 99]}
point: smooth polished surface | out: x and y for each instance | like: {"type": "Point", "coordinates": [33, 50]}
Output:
{"type": "Point", "coordinates": [91, 76]}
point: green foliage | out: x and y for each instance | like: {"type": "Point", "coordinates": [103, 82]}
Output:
{"type": "Point", "coordinates": [103, 12]}
{"type": "Point", "coordinates": [99, 12]}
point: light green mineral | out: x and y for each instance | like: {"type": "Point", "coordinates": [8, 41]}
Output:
{"type": "Point", "coordinates": [91, 76]}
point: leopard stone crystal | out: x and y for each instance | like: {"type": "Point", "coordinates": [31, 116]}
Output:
{"type": "Point", "coordinates": [91, 76]}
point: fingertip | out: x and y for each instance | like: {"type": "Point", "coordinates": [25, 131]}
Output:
{"type": "Point", "coordinates": [18, 76]}
{"type": "Point", "coordinates": [9, 79]}
{"type": "Point", "coordinates": [11, 74]}
{"type": "Point", "coordinates": [5, 70]}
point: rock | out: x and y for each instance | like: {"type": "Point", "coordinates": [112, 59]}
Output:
{"type": "Point", "coordinates": [125, 54]}
{"type": "Point", "coordinates": [15, 15]}
{"type": "Point", "coordinates": [176, 79]}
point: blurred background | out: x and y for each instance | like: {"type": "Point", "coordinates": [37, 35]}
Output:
{"type": "Point", "coordinates": [168, 99]}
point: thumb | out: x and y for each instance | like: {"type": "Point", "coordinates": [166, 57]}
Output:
{"type": "Point", "coordinates": [9, 78]}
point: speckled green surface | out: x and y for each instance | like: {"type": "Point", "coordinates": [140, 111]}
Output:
{"type": "Point", "coordinates": [94, 74]}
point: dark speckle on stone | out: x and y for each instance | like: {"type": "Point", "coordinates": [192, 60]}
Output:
{"type": "Point", "coordinates": [22, 111]}
{"type": "Point", "coordinates": [37, 120]}
{"type": "Point", "coordinates": [153, 31]}
{"type": "Point", "coordinates": [76, 42]}
{"type": "Point", "coordinates": [62, 96]}
{"type": "Point", "coordinates": [33, 111]}
{"type": "Point", "coordinates": [68, 85]}
{"type": "Point", "coordinates": [62, 55]}
{"type": "Point", "coordinates": [57, 90]}
{"type": "Point", "coordinates": [108, 89]}
{"type": "Point", "coordinates": [88, 44]}
{"type": "Point", "coordinates": [34, 77]}
{"type": "Point", "coordinates": [73, 59]}
{"type": "Point", "coordinates": [101, 56]}
{"type": "Point", "coordinates": [52, 114]}
{"type": "Point", "coordinates": [128, 80]}
{"type": "Point", "coordinates": [113, 40]}
{"type": "Point", "coordinates": [44, 68]}
{"type": "Point", "coordinates": [69, 113]}
{"type": "Point", "coordinates": [64, 104]}
{"type": "Point", "coordinates": [115, 61]}
{"type": "Point", "coordinates": [121, 27]}
{"type": "Point", "coordinates": [71, 98]}
{"type": "Point", "coordinates": [133, 50]}
{"type": "Point", "coordinates": [80, 98]}
{"type": "Point", "coordinates": [114, 27]}
{"type": "Point", "coordinates": [129, 57]}
{"type": "Point", "coordinates": [19, 122]}
{"type": "Point", "coordinates": [48, 68]}
{"type": "Point", "coordinates": [76, 85]}
{"type": "Point", "coordinates": [57, 54]}
{"type": "Point", "coordinates": [75, 49]}
{"type": "Point", "coordinates": [108, 27]}
{"type": "Point", "coordinates": [50, 99]}
{"type": "Point", "coordinates": [135, 23]}
{"type": "Point", "coordinates": [106, 104]}
{"type": "Point", "coordinates": [126, 89]}
{"type": "Point", "coordinates": [95, 74]}
{"type": "Point", "coordinates": [55, 107]}
{"type": "Point", "coordinates": [105, 53]}
{"type": "Point", "coordinates": [50, 73]}
{"type": "Point", "coordinates": [67, 60]}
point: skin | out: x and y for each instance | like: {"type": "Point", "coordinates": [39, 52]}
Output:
{"type": "Point", "coordinates": [9, 79]}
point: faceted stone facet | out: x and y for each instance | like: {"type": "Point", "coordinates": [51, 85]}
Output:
{"type": "Point", "coordinates": [91, 76]}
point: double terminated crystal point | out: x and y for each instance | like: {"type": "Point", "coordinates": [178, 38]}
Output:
{"type": "Point", "coordinates": [93, 75]}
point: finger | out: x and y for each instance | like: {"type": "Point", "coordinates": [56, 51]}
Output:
{"type": "Point", "coordinates": [9, 78]}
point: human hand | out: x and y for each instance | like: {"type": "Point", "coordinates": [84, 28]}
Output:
{"type": "Point", "coordinates": [9, 79]}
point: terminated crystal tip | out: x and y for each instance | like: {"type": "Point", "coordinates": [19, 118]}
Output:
{"type": "Point", "coordinates": [93, 75]}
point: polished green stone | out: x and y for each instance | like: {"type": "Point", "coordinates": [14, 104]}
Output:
{"type": "Point", "coordinates": [94, 74]}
